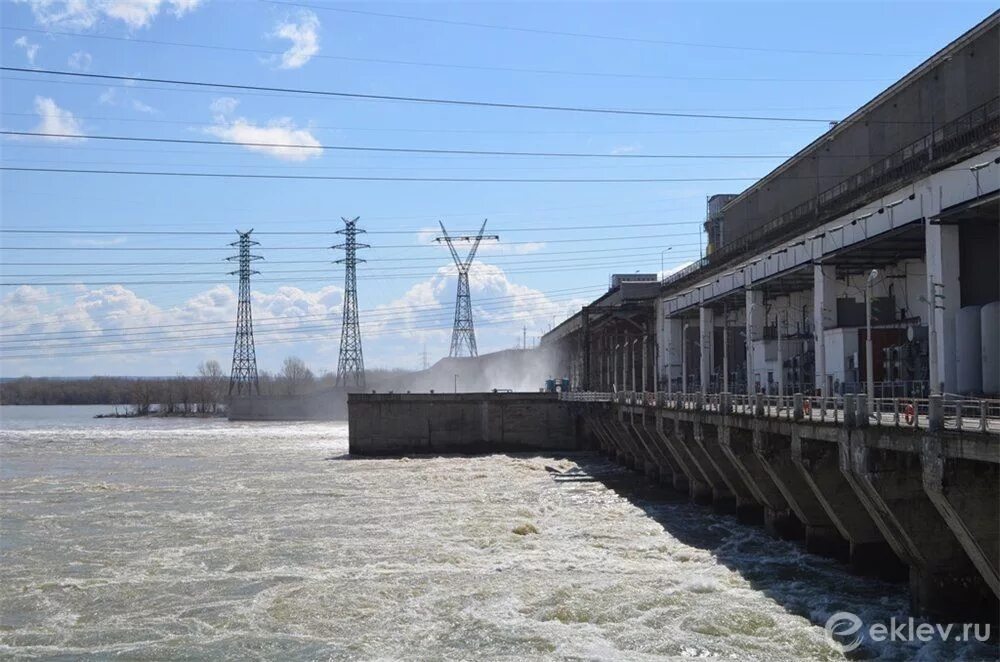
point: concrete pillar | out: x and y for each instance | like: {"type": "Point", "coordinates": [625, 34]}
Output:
{"type": "Point", "coordinates": [722, 499]}
{"type": "Point", "coordinates": [944, 583]}
{"type": "Point", "coordinates": [774, 452]}
{"type": "Point", "coordinates": [819, 463]}
{"type": "Point", "coordinates": [670, 345]}
{"type": "Point", "coordinates": [585, 334]}
{"type": "Point", "coordinates": [706, 345]}
{"type": "Point", "coordinates": [942, 276]}
{"type": "Point", "coordinates": [824, 317]}
{"type": "Point", "coordinates": [690, 480]}
{"type": "Point", "coordinates": [645, 429]}
{"type": "Point", "coordinates": [966, 493]}
{"type": "Point", "coordinates": [779, 520]}
{"type": "Point", "coordinates": [754, 327]}
{"type": "Point", "coordinates": [748, 509]}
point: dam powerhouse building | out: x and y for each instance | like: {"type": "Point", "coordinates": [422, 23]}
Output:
{"type": "Point", "coordinates": [897, 205]}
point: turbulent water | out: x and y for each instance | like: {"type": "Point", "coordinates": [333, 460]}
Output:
{"type": "Point", "coordinates": [167, 538]}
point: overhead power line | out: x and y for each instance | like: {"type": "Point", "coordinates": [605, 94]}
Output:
{"type": "Point", "coordinates": [325, 233]}
{"type": "Point", "coordinates": [406, 150]}
{"type": "Point", "coordinates": [441, 65]}
{"type": "Point", "coordinates": [414, 99]}
{"type": "Point", "coordinates": [369, 313]}
{"type": "Point", "coordinates": [585, 35]}
{"type": "Point", "coordinates": [495, 180]}
{"type": "Point", "coordinates": [378, 246]}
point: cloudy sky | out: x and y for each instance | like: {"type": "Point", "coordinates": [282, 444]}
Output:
{"type": "Point", "coordinates": [88, 287]}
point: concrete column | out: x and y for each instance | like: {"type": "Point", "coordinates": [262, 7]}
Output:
{"type": "Point", "coordinates": [819, 463]}
{"type": "Point", "coordinates": [944, 583]}
{"type": "Point", "coordinates": [774, 452]}
{"type": "Point", "coordinates": [779, 520]}
{"type": "Point", "coordinates": [942, 276]}
{"type": "Point", "coordinates": [754, 325]}
{"type": "Point", "coordinates": [689, 480]}
{"type": "Point", "coordinates": [824, 317]}
{"type": "Point", "coordinates": [706, 335]}
{"type": "Point", "coordinates": [748, 509]}
{"type": "Point", "coordinates": [670, 345]}
{"type": "Point", "coordinates": [722, 499]}
{"type": "Point", "coordinates": [966, 493]}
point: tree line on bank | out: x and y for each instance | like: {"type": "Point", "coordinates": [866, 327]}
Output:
{"type": "Point", "coordinates": [204, 393]}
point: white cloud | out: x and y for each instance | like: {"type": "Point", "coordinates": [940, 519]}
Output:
{"type": "Point", "coordinates": [82, 14]}
{"type": "Point", "coordinates": [625, 149]}
{"type": "Point", "coordinates": [280, 135]}
{"type": "Point", "coordinates": [303, 33]}
{"type": "Point", "coordinates": [80, 60]}
{"type": "Point", "coordinates": [223, 107]}
{"type": "Point", "coordinates": [55, 120]}
{"type": "Point", "coordinates": [142, 107]}
{"type": "Point", "coordinates": [30, 48]}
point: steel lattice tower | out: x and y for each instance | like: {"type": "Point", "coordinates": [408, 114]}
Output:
{"type": "Point", "coordinates": [243, 375]}
{"type": "Point", "coordinates": [463, 333]}
{"type": "Point", "coordinates": [351, 364]}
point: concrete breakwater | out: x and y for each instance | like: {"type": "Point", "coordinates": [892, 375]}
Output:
{"type": "Point", "coordinates": [421, 423]}
{"type": "Point", "coordinates": [903, 504]}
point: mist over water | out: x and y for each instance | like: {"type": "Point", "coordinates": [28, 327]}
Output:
{"type": "Point", "coordinates": [202, 539]}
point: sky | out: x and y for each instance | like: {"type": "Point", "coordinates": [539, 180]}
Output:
{"type": "Point", "coordinates": [96, 293]}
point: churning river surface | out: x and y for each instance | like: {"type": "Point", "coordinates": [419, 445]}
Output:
{"type": "Point", "coordinates": [170, 538]}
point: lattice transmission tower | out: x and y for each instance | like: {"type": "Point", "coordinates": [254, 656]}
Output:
{"type": "Point", "coordinates": [351, 364]}
{"type": "Point", "coordinates": [243, 375]}
{"type": "Point", "coordinates": [463, 332]}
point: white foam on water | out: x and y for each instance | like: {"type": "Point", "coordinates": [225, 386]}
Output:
{"type": "Point", "coordinates": [167, 538]}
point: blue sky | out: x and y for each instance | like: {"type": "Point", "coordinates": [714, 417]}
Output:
{"type": "Point", "coordinates": [803, 60]}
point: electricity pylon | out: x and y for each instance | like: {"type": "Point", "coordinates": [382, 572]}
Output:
{"type": "Point", "coordinates": [351, 364]}
{"type": "Point", "coordinates": [243, 375]}
{"type": "Point", "coordinates": [463, 333]}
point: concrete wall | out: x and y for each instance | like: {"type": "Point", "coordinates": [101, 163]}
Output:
{"type": "Point", "coordinates": [403, 424]}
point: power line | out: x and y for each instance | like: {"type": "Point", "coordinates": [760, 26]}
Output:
{"type": "Point", "coordinates": [518, 264]}
{"type": "Point", "coordinates": [627, 252]}
{"type": "Point", "coordinates": [307, 248]}
{"type": "Point", "coordinates": [263, 321]}
{"type": "Point", "coordinates": [421, 100]}
{"type": "Point", "coordinates": [292, 325]}
{"type": "Point", "coordinates": [444, 65]}
{"type": "Point", "coordinates": [272, 341]}
{"type": "Point", "coordinates": [496, 180]}
{"type": "Point", "coordinates": [408, 150]}
{"type": "Point", "coordinates": [389, 276]}
{"type": "Point", "coordinates": [323, 233]}
{"type": "Point", "coordinates": [584, 35]}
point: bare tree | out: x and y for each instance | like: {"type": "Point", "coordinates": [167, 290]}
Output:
{"type": "Point", "coordinates": [210, 391]}
{"type": "Point", "coordinates": [296, 375]}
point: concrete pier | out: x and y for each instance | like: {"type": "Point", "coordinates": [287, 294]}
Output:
{"type": "Point", "coordinates": [892, 502]}
{"type": "Point", "coordinates": [422, 423]}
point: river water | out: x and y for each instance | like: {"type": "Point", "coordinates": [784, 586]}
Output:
{"type": "Point", "coordinates": [170, 538]}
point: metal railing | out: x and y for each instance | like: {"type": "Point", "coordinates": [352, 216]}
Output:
{"type": "Point", "coordinates": [937, 412]}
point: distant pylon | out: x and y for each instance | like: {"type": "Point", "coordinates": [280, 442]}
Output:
{"type": "Point", "coordinates": [351, 364]}
{"type": "Point", "coordinates": [243, 375]}
{"type": "Point", "coordinates": [463, 333]}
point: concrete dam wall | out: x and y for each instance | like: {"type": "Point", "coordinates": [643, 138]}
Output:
{"type": "Point", "coordinates": [420, 423]}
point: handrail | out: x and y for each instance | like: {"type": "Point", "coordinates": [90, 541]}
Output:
{"type": "Point", "coordinates": [937, 412]}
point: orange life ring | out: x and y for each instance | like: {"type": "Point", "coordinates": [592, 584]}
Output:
{"type": "Point", "coordinates": [908, 414]}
